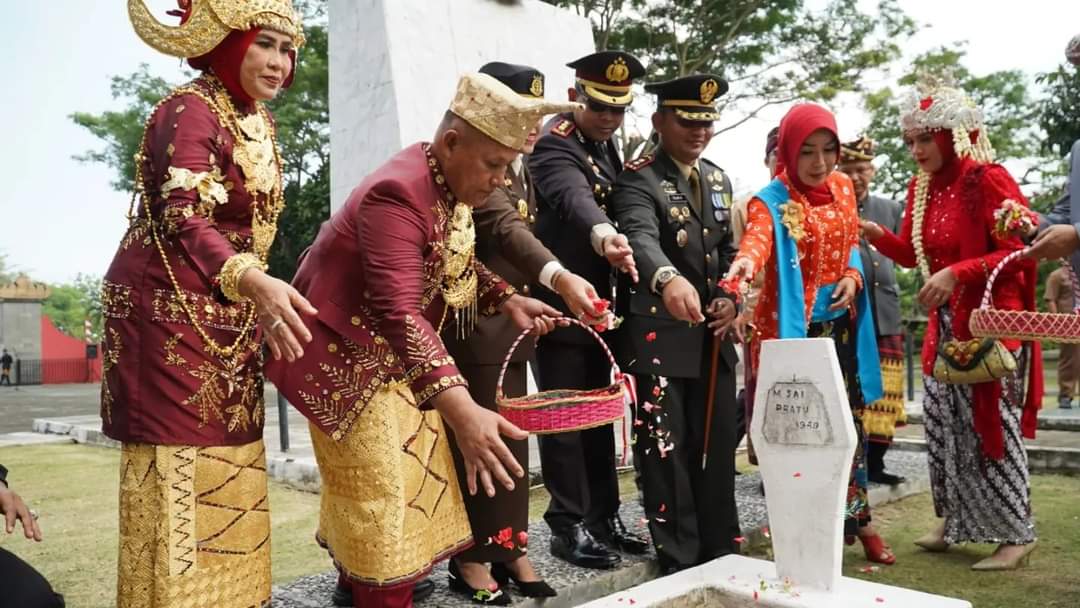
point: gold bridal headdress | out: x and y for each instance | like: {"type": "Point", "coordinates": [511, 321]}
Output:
{"type": "Point", "coordinates": [208, 22]}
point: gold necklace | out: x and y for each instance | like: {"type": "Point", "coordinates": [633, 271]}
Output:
{"type": "Point", "coordinates": [264, 222]}
{"type": "Point", "coordinates": [459, 280]}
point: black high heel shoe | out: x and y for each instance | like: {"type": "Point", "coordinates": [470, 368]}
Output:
{"type": "Point", "coordinates": [484, 597]}
{"type": "Point", "coordinates": [503, 576]}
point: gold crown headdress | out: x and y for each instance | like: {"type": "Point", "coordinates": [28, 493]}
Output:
{"type": "Point", "coordinates": [208, 22]}
{"type": "Point", "coordinates": [937, 103]}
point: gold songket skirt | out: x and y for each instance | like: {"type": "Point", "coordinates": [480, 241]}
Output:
{"type": "Point", "coordinates": [881, 418]}
{"type": "Point", "coordinates": [194, 527]}
{"type": "Point", "coordinates": [391, 505]}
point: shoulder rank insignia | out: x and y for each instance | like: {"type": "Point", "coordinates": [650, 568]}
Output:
{"type": "Point", "coordinates": [640, 163]}
{"type": "Point", "coordinates": [564, 128]}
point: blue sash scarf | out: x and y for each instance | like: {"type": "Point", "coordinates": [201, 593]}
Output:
{"type": "Point", "coordinates": [790, 304]}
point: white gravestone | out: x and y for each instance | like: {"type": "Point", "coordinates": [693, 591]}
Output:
{"type": "Point", "coordinates": [394, 65]}
{"type": "Point", "coordinates": [805, 439]}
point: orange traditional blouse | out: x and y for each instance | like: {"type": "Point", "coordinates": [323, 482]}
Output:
{"type": "Point", "coordinates": [825, 235]}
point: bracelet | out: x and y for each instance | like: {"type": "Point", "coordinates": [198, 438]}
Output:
{"type": "Point", "coordinates": [233, 270]}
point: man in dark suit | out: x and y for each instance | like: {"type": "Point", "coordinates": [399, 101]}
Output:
{"type": "Point", "coordinates": [675, 207]}
{"type": "Point", "coordinates": [574, 167]}
{"type": "Point", "coordinates": [880, 418]}
{"type": "Point", "coordinates": [506, 245]}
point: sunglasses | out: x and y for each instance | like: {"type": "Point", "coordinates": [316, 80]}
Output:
{"type": "Point", "coordinates": [599, 108]}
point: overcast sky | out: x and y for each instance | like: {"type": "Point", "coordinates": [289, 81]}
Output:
{"type": "Point", "coordinates": [59, 217]}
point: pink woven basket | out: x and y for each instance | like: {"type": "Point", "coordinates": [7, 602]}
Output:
{"type": "Point", "coordinates": [563, 410]}
{"type": "Point", "coordinates": [988, 322]}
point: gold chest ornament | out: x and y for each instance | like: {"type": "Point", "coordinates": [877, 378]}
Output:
{"type": "Point", "coordinates": [459, 280]}
{"type": "Point", "coordinates": [523, 209]}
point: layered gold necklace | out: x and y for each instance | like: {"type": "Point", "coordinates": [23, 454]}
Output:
{"type": "Point", "coordinates": [255, 150]}
{"type": "Point", "coordinates": [459, 281]}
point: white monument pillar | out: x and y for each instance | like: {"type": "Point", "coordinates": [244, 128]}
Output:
{"type": "Point", "coordinates": [394, 65]}
{"type": "Point", "coordinates": [805, 439]}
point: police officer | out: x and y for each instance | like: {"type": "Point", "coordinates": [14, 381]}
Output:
{"type": "Point", "coordinates": [574, 167]}
{"type": "Point", "coordinates": [675, 207]}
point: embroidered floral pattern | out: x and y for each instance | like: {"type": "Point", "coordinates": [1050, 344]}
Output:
{"type": "Point", "coordinates": [115, 300]}
{"type": "Point", "coordinates": [229, 390]}
{"type": "Point", "coordinates": [211, 313]}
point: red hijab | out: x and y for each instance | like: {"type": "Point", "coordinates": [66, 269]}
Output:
{"type": "Point", "coordinates": [797, 125]}
{"type": "Point", "coordinates": [227, 57]}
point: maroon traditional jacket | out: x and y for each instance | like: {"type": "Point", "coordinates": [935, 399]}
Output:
{"type": "Point", "coordinates": [375, 274]}
{"type": "Point", "coordinates": [160, 385]}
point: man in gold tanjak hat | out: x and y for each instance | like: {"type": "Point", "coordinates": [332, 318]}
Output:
{"type": "Point", "coordinates": [390, 271]}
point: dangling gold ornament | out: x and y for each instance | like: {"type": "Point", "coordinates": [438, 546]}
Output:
{"type": "Point", "coordinates": [459, 280]}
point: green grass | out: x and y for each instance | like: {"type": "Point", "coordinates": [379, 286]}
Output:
{"type": "Point", "coordinates": [74, 490]}
{"type": "Point", "coordinates": [1052, 580]}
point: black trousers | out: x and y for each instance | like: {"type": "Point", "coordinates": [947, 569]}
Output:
{"type": "Point", "coordinates": [692, 513]}
{"type": "Point", "coordinates": [23, 587]}
{"type": "Point", "coordinates": [578, 467]}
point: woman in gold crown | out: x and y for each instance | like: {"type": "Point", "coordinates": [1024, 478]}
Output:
{"type": "Point", "coordinates": [978, 466]}
{"type": "Point", "coordinates": [186, 303]}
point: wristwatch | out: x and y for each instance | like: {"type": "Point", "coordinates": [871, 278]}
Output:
{"type": "Point", "coordinates": [663, 277]}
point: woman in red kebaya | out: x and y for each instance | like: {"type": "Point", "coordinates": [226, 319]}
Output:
{"type": "Point", "coordinates": [803, 232]}
{"type": "Point", "coordinates": [978, 466]}
{"type": "Point", "coordinates": [187, 302]}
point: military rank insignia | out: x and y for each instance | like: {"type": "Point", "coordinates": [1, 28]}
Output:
{"type": "Point", "coordinates": [681, 237]}
{"type": "Point", "coordinates": [563, 128]}
{"type": "Point", "coordinates": [523, 208]}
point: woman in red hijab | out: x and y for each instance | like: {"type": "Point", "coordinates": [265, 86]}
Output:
{"type": "Point", "coordinates": [187, 304]}
{"type": "Point", "coordinates": [803, 231]}
{"type": "Point", "coordinates": [978, 465]}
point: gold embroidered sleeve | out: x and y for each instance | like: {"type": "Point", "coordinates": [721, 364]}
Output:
{"type": "Point", "coordinates": [491, 289]}
{"type": "Point", "coordinates": [184, 143]}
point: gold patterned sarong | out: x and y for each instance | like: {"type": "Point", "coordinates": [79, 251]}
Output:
{"type": "Point", "coordinates": [391, 506]}
{"type": "Point", "coordinates": [194, 527]}
{"type": "Point", "coordinates": [881, 418]}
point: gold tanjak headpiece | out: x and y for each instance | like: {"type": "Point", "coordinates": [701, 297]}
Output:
{"type": "Point", "coordinates": [210, 21]}
{"type": "Point", "coordinates": [937, 103]}
{"type": "Point", "coordinates": [498, 112]}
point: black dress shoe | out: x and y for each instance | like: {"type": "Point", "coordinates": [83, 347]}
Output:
{"type": "Point", "coordinates": [614, 534]}
{"type": "Point", "coordinates": [421, 591]}
{"type": "Point", "coordinates": [577, 546]}
{"type": "Point", "coordinates": [886, 478]}
{"type": "Point", "coordinates": [503, 576]}
{"type": "Point", "coordinates": [484, 597]}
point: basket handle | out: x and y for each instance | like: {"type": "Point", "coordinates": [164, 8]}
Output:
{"type": "Point", "coordinates": [987, 300]}
{"type": "Point", "coordinates": [521, 336]}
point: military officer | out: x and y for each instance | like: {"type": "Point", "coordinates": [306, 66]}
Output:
{"type": "Point", "coordinates": [675, 207]}
{"type": "Point", "coordinates": [574, 167]}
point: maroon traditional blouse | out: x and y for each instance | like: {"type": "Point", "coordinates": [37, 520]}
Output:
{"type": "Point", "coordinates": [160, 384]}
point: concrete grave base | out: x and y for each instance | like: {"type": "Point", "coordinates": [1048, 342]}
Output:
{"type": "Point", "coordinates": [735, 581]}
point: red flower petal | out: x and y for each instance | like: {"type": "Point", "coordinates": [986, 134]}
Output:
{"type": "Point", "coordinates": [523, 538]}
{"type": "Point", "coordinates": [740, 539]}
{"type": "Point", "coordinates": [925, 103]}
{"type": "Point", "coordinates": [650, 337]}
{"type": "Point", "coordinates": [663, 507]}
{"type": "Point", "coordinates": [797, 475]}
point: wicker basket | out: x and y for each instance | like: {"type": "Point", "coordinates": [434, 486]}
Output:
{"type": "Point", "coordinates": [563, 410]}
{"type": "Point", "coordinates": [988, 322]}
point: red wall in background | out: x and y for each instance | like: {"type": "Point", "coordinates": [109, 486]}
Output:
{"type": "Point", "coordinates": [63, 358]}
